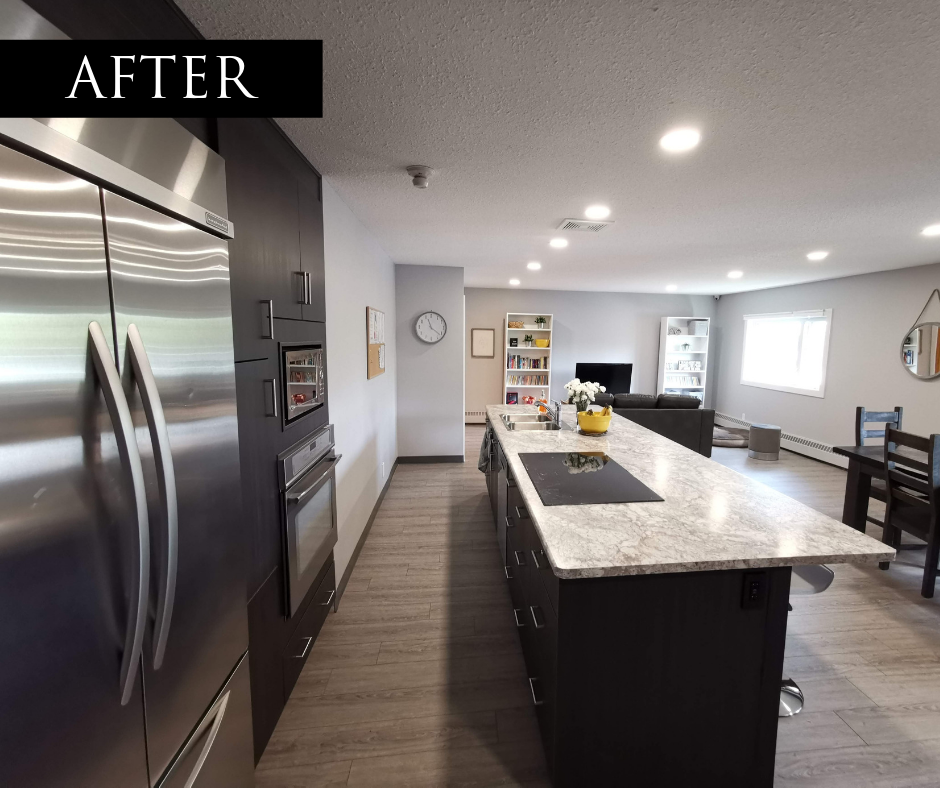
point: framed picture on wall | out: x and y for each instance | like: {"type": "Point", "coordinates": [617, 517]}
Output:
{"type": "Point", "coordinates": [482, 342]}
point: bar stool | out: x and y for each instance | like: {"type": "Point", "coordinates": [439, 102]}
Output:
{"type": "Point", "coordinates": [811, 579]}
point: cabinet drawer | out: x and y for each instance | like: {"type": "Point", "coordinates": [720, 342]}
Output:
{"type": "Point", "coordinates": [298, 647]}
{"type": "Point", "coordinates": [537, 560]}
{"type": "Point", "coordinates": [542, 569]}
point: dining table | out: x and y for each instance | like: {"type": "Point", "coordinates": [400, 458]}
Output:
{"type": "Point", "coordinates": [865, 463]}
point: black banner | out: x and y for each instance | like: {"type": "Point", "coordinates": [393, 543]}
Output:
{"type": "Point", "coordinates": [254, 79]}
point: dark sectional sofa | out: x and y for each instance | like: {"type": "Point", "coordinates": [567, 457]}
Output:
{"type": "Point", "coordinates": [679, 418]}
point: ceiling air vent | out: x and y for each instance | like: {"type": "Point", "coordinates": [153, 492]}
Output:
{"type": "Point", "coordinates": [587, 225]}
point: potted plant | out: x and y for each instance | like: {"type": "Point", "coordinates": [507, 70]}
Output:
{"type": "Point", "coordinates": [528, 340]}
{"type": "Point", "coordinates": [540, 322]}
{"type": "Point", "coordinates": [581, 395]}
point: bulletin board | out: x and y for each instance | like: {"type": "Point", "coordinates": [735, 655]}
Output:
{"type": "Point", "coordinates": [375, 340]}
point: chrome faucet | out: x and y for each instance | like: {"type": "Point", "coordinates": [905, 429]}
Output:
{"type": "Point", "coordinates": [555, 412]}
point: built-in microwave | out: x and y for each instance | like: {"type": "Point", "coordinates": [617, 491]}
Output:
{"type": "Point", "coordinates": [304, 378]}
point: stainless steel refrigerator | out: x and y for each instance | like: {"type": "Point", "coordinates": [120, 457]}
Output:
{"type": "Point", "coordinates": [123, 632]}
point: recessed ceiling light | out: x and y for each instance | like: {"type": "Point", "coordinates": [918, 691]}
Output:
{"type": "Point", "coordinates": [672, 288]}
{"type": "Point", "coordinates": [534, 266]}
{"type": "Point", "coordinates": [514, 282]}
{"type": "Point", "coordinates": [814, 256]}
{"type": "Point", "coordinates": [680, 140]}
{"type": "Point", "coordinates": [735, 274]}
{"type": "Point", "coordinates": [931, 230]}
{"type": "Point", "coordinates": [558, 243]}
{"type": "Point", "coordinates": [597, 212]}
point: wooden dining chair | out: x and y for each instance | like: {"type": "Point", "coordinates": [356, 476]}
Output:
{"type": "Point", "coordinates": [913, 496]}
{"type": "Point", "coordinates": [889, 418]}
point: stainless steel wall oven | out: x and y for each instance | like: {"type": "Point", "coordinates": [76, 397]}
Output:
{"type": "Point", "coordinates": [308, 487]}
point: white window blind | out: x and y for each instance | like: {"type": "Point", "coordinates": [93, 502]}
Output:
{"type": "Point", "coordinates": [787, 351]}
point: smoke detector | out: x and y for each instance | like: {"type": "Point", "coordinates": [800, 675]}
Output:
{"type": "Point", "coordinates": [420, 175]}
{"type": "Point", "coordinates": [585, 225]}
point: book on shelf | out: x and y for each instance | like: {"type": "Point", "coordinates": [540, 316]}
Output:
{"type": "Point", "coordinates": [527, 380]}
{"type": "Point", "coordinates": [515, 361]}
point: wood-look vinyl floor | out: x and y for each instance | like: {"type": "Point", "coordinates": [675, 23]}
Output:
{"type": "Point", "coordinates": [418, 679]}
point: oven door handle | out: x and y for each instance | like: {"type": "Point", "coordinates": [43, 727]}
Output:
{"type": "Point", "coordinates": [297, 497]}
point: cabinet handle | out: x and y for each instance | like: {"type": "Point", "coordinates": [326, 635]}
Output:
{"type": "Point", "coordinates": [518, 614]}
{"type": "Point", "coordinates": [303, 287]}
{"type": "Point", "coordinates": [303, 653]}
{"type": "Point", "coordinates": [269, 303]}
{"type": "Point", "coordinates": [272, 411]}
{"type": "Point", "coordinates": [520, 557]}
{"type": "Point", "coordinates": [535, 619]}
{"type": "Point", "coordinates": [510, 523]}
{"type": "Point", "coordinates": [329, 599]}
{"type": "Point", "coordinates": [535, 559]}
{"type": "Point", "coordinates": [522, 513]}
{"type": "Point", "coordinates": [535, 700]}
{"type": "Point", "coordinates": [308, 291]}
{"type": "Point", "coordinates": [508, 571]}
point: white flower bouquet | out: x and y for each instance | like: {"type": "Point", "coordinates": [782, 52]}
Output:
{"type": "Point", "coordinates": [582, 394]}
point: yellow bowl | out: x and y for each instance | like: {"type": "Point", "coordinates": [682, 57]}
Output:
{"type": "Point", "coordinates": [541, 343]}
{"type": "Point", "coordinates": [593, 422]}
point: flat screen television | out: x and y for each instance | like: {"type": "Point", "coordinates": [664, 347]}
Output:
{"type": "Point", "coordinates": [613, 377]}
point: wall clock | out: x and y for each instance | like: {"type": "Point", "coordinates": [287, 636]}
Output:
{"type": "Point", "coordinates": [430, 327]}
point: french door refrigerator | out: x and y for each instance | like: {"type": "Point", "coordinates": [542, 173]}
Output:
{"type": "Point", "coordinates": [123, 634]}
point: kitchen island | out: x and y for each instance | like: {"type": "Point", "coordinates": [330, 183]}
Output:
{"type": "Point", "coordinates": [654, 632]}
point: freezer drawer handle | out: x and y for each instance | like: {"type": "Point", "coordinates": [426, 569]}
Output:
{"type": "Point", "coordinates": [138, 363]}
{"type": "Point", "coordinates": [213, 718]}
{"type": "Point", "coordinates": [297, 497]}
{"type": "Point", "coordinates": [110, 385]}
{"type": "Point", "coordinates": [329, 599]}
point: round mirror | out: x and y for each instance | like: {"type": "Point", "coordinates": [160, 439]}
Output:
{"type": "Point", "coordinates": [920, 351]}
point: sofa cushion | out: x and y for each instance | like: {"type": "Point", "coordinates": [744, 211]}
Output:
{"type": "Point", "coordinates": [634, 401]}
{"type": "Point", "coordinates": [603, 399]}
{"type": "Point", "coordinates": [678, 401]}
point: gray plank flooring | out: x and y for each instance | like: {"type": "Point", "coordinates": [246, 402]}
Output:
{"type": "Point", "coordinates": [417, 680]}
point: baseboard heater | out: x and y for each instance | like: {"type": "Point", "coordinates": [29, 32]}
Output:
{"type": "Point", "coordinates": [791, 442]}
{"type": "Point", "coordinates": [474, 417]}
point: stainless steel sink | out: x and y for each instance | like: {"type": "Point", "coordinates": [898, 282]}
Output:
{"type": "Point", "coordinates": [522, 418]}
{"type": "Point", "coordinates": [532, 425]}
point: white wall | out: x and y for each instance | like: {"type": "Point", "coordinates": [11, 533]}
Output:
{"type": "Point", "coordinates": [430, 377]}
{"type": "Point", "coordinates": [587, 327]}
{"type": "Point", "coordinates": [358, 274]}
{"type": "Point", "coordinates": [870, 316]}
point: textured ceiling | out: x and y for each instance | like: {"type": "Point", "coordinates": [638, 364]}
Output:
{"type": "Point", "coordinates": [820, 124]}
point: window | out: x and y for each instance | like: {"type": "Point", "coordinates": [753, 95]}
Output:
{"type": "Point", "coordinates": [787, 351]}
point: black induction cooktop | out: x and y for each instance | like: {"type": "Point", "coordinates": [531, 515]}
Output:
{"type": "Point", "coordinates": [572, 478]}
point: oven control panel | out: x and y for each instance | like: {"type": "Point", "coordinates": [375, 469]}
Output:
{"type": "Point", "coordinates": [300, 457]}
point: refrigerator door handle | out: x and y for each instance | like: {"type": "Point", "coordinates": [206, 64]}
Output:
{"type": "Point", "coordinates": [110, 385]}
{"type": "Point", "coordinates": [139, 367]}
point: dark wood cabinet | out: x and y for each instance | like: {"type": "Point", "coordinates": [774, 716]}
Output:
{"type": "Point", "coordinates": [280, 646]}
{"type": "Point", "coordinates": [614, 662]}
{"type": "Point", "coordinates": [276, 256]}
{"type": "Point", "coordinates": [265, 633]}
{"type": "Point", "coordinates": [311, 250]}
{"type": "Point", "coordinates": [259, 428]}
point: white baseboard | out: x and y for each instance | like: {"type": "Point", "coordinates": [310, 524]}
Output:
{"type": "Point", "coordinates": [474, 417]}
{"type": "Point", "coordinates": [795, 443]}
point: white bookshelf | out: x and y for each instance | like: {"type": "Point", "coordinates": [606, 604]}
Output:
{"type": "Point", "coordinates": [682, 348]}
{"type": "Point", "coordinates": [520, 377]}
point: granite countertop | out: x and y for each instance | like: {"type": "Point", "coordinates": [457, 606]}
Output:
{"type": "Point", "coordinates": [712, 517]}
